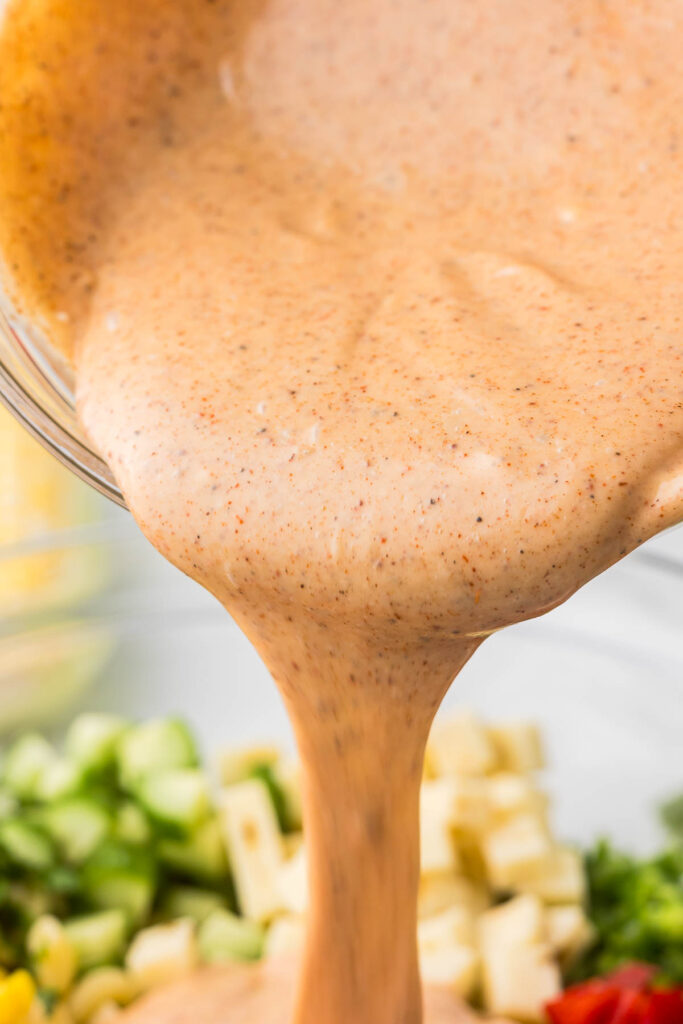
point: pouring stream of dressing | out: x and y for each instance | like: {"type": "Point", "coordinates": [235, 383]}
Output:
{"type": "Point", "coordinates": [375, 311]}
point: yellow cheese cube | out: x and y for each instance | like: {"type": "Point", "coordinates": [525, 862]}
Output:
{"type": "Point", "coordinates": [455, 967]}
{"type": "Point", "coordinates": [62, 1014]}
{"type": "Point", "coordinates": [519, 980]}
{"type": "Point", "coordinates": [293, 881]}
{"type": "Point", "coordinates": [451, 927]}
{"type": "Point", "coordinates": [461, 745]}
{"type": "Point", "coordinates": [285, 935]}
{"type": "Point", "coordinates": [254, 844]}
{"type": "Point", "coordinates": [515, 848]}
{"type": "Point", "coordinates": [508, 794]}
{"type": "Point", "coordinates": [558, 877]}
{"type": "Point", "coordinates": [437, 811]}
{"type": "Point", "coordinates": [569, 930]}
{"type": "Point", "coordinates": [106, 1014]}
{"type": "Point", "coordinates": [518, 746]}
{"type": "Point", "coordinates": [519, 921]}
{"type": "Point", "coordinates": [97, 987]}
{"type": "Point", "coordinates": [438, 892]}
{"type": "Point", "coordinates": [17, 992]}
{"type": "Point", "coordinates": [162, 952]}
{"type": "Point", "coordinates": [53, 958]}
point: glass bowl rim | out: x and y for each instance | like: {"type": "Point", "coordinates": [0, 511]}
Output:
{"type": "Point", "coordinates": [37, 387]}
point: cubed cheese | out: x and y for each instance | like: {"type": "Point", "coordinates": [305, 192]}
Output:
{"type": "Point", "coordinates": [518, 922]}
{"type": "Point", "coordinates": [285, 935]}
{"type": "Point", "coordinates": [438, 892]}
{"type": "Point", "coordinates": [558, 877]}
{"type": "Point", "coordinates": [519, 980]}
{"type": "Point", "coordinates": [455, 967]}
{"type": "Point", "coordinates": [162, 952]}
{"type": "Point", "coordinates": [569, 930]}
{"type": "Point", "coordinates": [513, 848]}
{"type": "Point", "coordinates": [98, 987]}
{"type": "Point", "coordinates": [518, 746]}
{"type": "Point", "coordinates": [254, 845]}
{"type": "Point", "coordinates": [293, 881]}
{"type": "Point", "coordinates": [508, 795]}
{"type": "Point", "coordinates": [453, 926]}
{"type": "Point", "coordinates": [106, 1014]}
{"type": "Point", "coordinates": [438, 851]}
{"type": "Point", "coordinates": [461, 745]}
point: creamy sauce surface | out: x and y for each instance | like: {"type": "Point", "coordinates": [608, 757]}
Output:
{"type": "Point", "coordinates": [375, 310]}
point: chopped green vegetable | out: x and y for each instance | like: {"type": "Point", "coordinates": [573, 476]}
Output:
{"type": "Point", "coordinates": [92, 739]}
{"type": "Point", "coordinates": [225, 936]}
{"type": "Point", "coordinates": [186, 901]}
{"type": "Point", "coordinates": [178, 798]}
{"type": "Point", "coordinates": [60, 778]}
{"type": "Point", "coordinates": [637, 909]}
{"type": "Point", "coordinates": [672, 816]}
{"type": "Point", "coordinates": [201, 856]}
{"type": "Point", "coordinates": [131, 824]}
{"type": "Point", "coordinates": [78, 825]}
{"type": "Point", "coordinates": [98, 938]}
{"type": "Point", "coordinates": [123, 876]}
{"type": "Point", "coordinates": [155, 746]}
{"type": "Point", "coordinates": [9, 804]}
{"type": "Point", "coordinates": [29, 900]}
{"type": "Point", "coordinates": [266, 774]}
{"type": "Point", "coordinates": [25, 764]}
{"type": "Point", "coordinates": [26, 845]}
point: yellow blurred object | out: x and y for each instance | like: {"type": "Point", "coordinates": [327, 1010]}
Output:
{"type": "Point", "coordinates": [17, 993]}
{"type": "Point", "coordinates": [39, 497]}
{"type": "Point", "coordinates": [52, 559]}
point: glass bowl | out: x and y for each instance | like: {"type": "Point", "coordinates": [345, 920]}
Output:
{"type": "Point", "coordinates": [603, 675]}
{"type": "Point", "coordinates": [37, 386]}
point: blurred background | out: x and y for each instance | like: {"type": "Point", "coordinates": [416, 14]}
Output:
{"type": "Point", "coordinates": [92, 617]}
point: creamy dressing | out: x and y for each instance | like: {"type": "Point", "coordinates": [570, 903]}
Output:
{"type": "Point", "coordinates": [375, 311]}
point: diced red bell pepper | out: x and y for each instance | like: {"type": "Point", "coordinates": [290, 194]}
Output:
{"type": "Point", "coordinates": [632, 1007]}
{"type": "Point", "coordinates": [623, 997]}
{"type": "Point", "coordinates": [666, 1007]}
{"type": "Point", "coordinates": [592, 1003]}
{"type": "Point", "coordinates": [633, 976]}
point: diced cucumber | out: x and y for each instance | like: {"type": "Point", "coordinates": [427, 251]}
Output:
{"type": "Point", "coordinates": [131, 824]}
{"type": "Point", "coordinates": [98, 938]}
{"type": "Point", "coordinates": [266, 774]}
{"type": "Point", "coordinates": [134, 894]}
{"type": "Point", "coordinates": [178, 798]}
{"type": "Point", "coordinates": [26, 845]}
{"type": "Point", "coordinates": [185, 901]}
{"type": "Point", "coordinates": [29, 900]}
{"type": "Point", "coordinates": [201, 855]}
{"type": "Point", "coordinates": [287, 777]}
{"type": "Point", "coordinates": [118, 875]}
{"type": "Point", "coordinates": [25, 763]}
{"type": "Point", "coordinates": [63, 881]}
{"type": "Point", "coordinates": [58, 779]}
{"type": "Point", "coordinates": [78, 825]}
{"type": "Point", "coordinates": [152, 747]}
{"type": "Point", "coordinates": [8, 804]}
{"type": "Point", "coordinates": [92, 739]}
{"type": "Point", "coordinates": [225, 936]}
